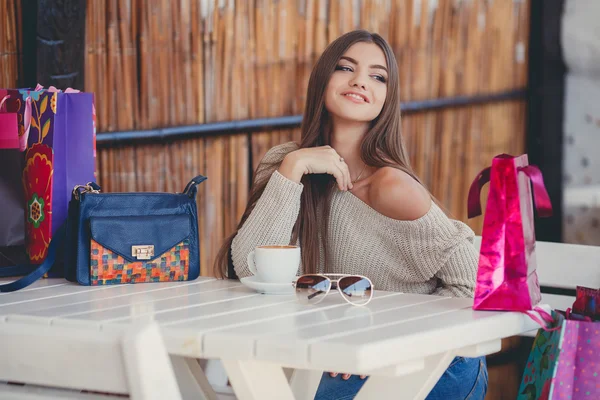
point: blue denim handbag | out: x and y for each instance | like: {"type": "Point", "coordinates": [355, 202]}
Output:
{"type": "Point", "coordinates": [112, 238]}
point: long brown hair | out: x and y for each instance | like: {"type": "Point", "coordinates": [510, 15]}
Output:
{"type": "Point", "coordinates": [381, 146]}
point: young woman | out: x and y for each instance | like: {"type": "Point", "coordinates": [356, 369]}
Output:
{"type": "Point", "coordinates": [347, 194]}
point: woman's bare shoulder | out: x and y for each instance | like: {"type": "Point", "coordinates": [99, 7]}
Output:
{"type": "Point", "coordinates": [396, 194]}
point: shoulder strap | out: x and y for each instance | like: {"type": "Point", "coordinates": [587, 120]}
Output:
{"type": "Point", "coordinates": [190, 188]}
{"type": "Point", "coordinates": [37, 273]}
{"type": "Point", "coordinates": [16, 270]}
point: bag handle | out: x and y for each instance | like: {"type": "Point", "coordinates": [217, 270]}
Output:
{"type": "Point", "coordinates": [191, 188]}
{"type": "Point", "coordinates": [4, 100]}
{"type": "Point", "coordinates": [542, 201]}
{"type": "Point", "coordinates": [26, 124]}
{"type": "Point", "coordinates": [474, 199]}
{"type": "Point", "coordinates": [56, 242]}
{"type": "Point", "coordinates": [540, 195]}
{"type": "Point", "coordinates": [545, 318]}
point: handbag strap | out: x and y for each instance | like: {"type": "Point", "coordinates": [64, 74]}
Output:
{"type": "Point", "coordinates": [191, 187]}
{"type": "Point", "coordinates": [16, 270]}
{"type": "Point", "coordinates": [474, 199]}
{"type": "Point", "coordinates": [37, 273]}
{"type": "Point", "coordinates": [540, 195]}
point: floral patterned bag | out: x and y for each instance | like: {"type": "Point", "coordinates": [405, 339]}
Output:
{"type": "Point", "coordinates": [60, 155]}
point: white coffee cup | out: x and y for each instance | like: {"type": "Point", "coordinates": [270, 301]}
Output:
{"type": "Point", "coordinates": [275, 264]}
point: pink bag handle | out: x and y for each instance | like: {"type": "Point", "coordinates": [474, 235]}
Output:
{"type": "Point", "coordinates": [540, 195]}
{"type": "Point", "coordinates": [26, 121]}
{"type": "Point", "coordinates": [3, 101]}
{"type": "Point", "coordinates": [546, 318]}
{"type": "Point", "coordinates": [53, 89]}
{"type": "Point", "coordinates": [474, 199]}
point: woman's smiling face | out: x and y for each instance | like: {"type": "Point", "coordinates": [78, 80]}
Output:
{"type": "Point", "coordinates": [358, 87]}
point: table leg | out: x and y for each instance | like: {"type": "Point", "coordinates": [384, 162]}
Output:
{"type": "Point", "coordinates": [191, 379]}
{"type": "Point", "coordinates": [253, 380]}
{"type": "Point", "coordinates": [415, 386]}
{"type": "Point", "coordinates": [304, 383]}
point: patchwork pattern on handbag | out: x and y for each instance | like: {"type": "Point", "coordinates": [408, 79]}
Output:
{"type": "Point", "coordinates": [108, 267]}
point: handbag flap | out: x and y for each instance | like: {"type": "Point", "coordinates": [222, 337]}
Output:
{"type": "Point", "coordinates": [141, 237]}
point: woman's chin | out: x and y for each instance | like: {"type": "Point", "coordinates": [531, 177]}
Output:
{"type": "Point", "coordinates": [346, 116]}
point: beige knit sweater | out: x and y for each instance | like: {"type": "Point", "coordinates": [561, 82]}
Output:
{"type": "Point", "coordinates": [430, 255]}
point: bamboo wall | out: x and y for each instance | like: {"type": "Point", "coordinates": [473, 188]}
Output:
{"type": "Point", "coordinates": [157, 63]}
{"type": "Point", "coordinates": [11, 40]}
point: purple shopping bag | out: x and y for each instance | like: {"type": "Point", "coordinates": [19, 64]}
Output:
{"type": "Point", "coordinates": [565, 363]}
{"type": "Point", "coordinates": [60, 155]}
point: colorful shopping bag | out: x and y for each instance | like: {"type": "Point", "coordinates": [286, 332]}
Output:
{"type": "Point", "coordinates": [506, 276]}
{"type": "Point", "coordinates": [60, 155]}
{"type": "Point", "coordinates": [565, 363]}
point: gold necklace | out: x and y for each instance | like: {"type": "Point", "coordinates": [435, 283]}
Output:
{"type": "Point", "coordinates": [359, 175]}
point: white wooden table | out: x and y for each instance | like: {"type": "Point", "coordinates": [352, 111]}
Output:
{"type": "Point", "coordinates": [403, 341]}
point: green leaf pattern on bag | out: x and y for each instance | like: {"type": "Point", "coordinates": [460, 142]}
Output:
{"type": "Point", "coordinates": [530, 392]}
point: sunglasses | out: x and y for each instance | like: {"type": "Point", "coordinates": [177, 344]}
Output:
{"type": "Point", "coordinates": [355, 289]}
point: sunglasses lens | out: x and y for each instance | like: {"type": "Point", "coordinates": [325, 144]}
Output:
{"type": "Point", "coordinates": [311, 289]}
{"type": "Point", "coordinates": [357, 290]}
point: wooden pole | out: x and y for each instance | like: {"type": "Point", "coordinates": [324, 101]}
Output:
{"type": "Point", "coordinates": [545, 109]}
{"type": "Point", "coordinates": [61, 43]}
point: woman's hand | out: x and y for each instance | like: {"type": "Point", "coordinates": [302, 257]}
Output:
{"type": "Point", "coordinates": [316, 160]}
{"type": "Point", "coordinates": [344, 376]}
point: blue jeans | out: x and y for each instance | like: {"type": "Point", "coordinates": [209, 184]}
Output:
{"type": "Point", "coordinates": [465, 378]}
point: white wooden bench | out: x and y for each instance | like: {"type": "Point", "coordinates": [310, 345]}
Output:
{"type": "Point", "coordinates": [58, 362]}
{"type": "Point", "coordinates": [561, 267]}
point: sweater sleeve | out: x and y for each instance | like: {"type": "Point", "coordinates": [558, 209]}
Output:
{"type": "Point", "coordinates": [457, 275]}
{"type": "Point", "coordinates": [273, 217]}
{"type": "Point", "coordinates": [440, 248]}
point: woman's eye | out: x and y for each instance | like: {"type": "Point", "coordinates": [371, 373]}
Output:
{"type": "Point", "coordinates": [380, 78]}
{"type": "Point", "coordinates": [343, 68]}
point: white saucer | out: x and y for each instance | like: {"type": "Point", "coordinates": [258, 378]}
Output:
{"type": "Point", "coordinates": [267, 288]}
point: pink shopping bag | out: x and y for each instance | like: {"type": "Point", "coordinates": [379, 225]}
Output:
{"type": "Point", "coordinates": [11, 102]}
{"type": "Point", "coordinates": [12, 212]}
{"type": "Point", "coordinates": [506, 276]}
